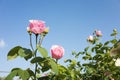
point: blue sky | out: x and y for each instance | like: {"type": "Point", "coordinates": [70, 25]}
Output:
{"type": "Point", "coordinates": [70, 23]}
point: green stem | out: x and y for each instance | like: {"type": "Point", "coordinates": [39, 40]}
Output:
{"type": "Point", "coordinates": [36, 65]}
{"type": "Point", "coordinates": [41, 39]}
{"type": "Point", "coordinates": [56, 61]}
{"type": "Point", "coordinates": [36, 39]}
{"type": "Point", "coordinates": [40, 42]}
{"type": "Point", "coordinates": [31, 42]}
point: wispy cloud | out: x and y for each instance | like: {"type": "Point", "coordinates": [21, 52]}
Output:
{"type": "Point", "coordinates": [2, 43]}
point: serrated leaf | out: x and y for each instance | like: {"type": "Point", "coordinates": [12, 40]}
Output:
{"type": "Point", "coordinates": [23, 74]}
{"type": "Point", "coordinates": [93, 49]}
{"type": "Point", "coordinates": [90, 70]}
{"type": "Point", "coordinates": [28, 56]}
{"type": "Point", "coordinates": [86, 57]}
{"type": "Point", "coordinates": [30, 72]}
{"type": "Point", "coordinates": [43, 51]}
{"type": "Point", "coordinates": [13, 53]}
{"type": "Point", "coordinates": [102, 55]}
{"type": "Point", "coordinates": [11, 75]}
{"type": "Point", "coordinates": [86, 49]}
{"type": "Point", "coordinates": [79, 53]}
{"type": "Point", "coordinates": [73, 53]}
{"type": "Point", "coordinates": [54, 66]}
{"type": "Point", "coordinates": [15, 69]}
{"type": "Point", "coordinates": [63, 70]}
{"type": "Point", "coordinates": [106, 43]}
{"type": "Point", "coordinates": [37, 59]}
{"type": "Point", "coordinates": [113, 41]}
{"type": "Point", "coordinates": [26, 53]}
{"type": "Point", "coordinates": [21, 52]}
{"type": "Point", "coordinates": [114, 34]}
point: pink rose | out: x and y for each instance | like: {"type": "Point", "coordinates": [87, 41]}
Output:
{"type": "Point", "coordinates": [37, 26]}
{"type": "Point", "coordinates": [90, 38]}
{"type": "Point", "coordinates": [98, 33]}
{"type": "Point", "coordinates": [57, 51]}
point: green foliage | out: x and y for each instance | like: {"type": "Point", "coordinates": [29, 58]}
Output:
{"type": "Point", "coordinates": [37, 59]}
{"type": "Point", "coordinates": [23, 74]}
{"type": "Point", "coordinates": [19, 51]}
{"type": "Point", "coordinates": [43, 51]}
{"type": "Point", "coordinates": [13, 53]}
{"type": "Point", "coordinates": [54, 66]}
{"type": "Point", "coordinates": [98, 62]}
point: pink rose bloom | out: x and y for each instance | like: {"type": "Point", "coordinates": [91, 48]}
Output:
{"type": "Point", "coordinates": [98, 33]}
{"type": "Point", "coordinates": [57, 51]}
{"type": "Point", "coordinates": [37, 26]}
{"type": "Point", "coordinates": [90, 38]}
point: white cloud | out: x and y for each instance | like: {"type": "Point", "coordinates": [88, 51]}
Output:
{"type": "Point", "coordinates": [2, 43]}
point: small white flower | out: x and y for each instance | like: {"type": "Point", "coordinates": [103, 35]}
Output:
{"type": "Point", "coordinates": [90, 38]}
{"type": "Point", "coordinates": [117, 63]}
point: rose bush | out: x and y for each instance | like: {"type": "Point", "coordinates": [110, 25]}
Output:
{"type": "Point", "coordinates": [43, 62]}
{"type": "Point", "coordinates": [101, 59]}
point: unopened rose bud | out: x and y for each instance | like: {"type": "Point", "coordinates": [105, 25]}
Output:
{"type": "Point", "coordinates": [114, 30]}
{"type": "Point", "coordinates": [46, 30]}
{"type": "Point", "coordinates": [28, 30]}
{"type": "Point", "coordinates": [90, 38]}
{"type": "Point", "coordinates": [98, 33]}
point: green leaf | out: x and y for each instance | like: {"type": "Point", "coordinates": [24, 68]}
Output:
{"type": "Point", "coordinates": [73, 53]}
{"type": "Point", "coordinates": [62, 69]}
{"type": "Point", "coordinates": [26, 53]}
{"type": "Point", "coordinates": [114, 34]}
{"type": "Point", "coordinates": [15, 69]}
{"type": "Point", "coordinates": [79, 53]}
{"type": "Point", "coordinates": [23, 74]}
{"type": "Point", "coordinates": [90, 70]}
{"type": "Point", "coordinates": [53, 66]}
{"type": "Point", "coordinates": [28, 56]}
{"type": "Point", "coordinates": [19, 51]}
{"type": "Point", "coordinates": [86, 49]}
{"type": "Point", "coordinates": [114, 41]}
{"type": "Point", "coordinates": [30, 72]}
{"type": "Point", "coordinates": [87, 57]}
{"type": "Point", "coordinates": [45, 66]}
{"type": "Point", "coordinates": [11, 75]}
{"type": "Point", "coordinates": [93, 49]}
{"type": "Point", "coordinates": [102, 55]}
{"type": "Point", "coordinates": [43, 51]}
{"type": "Point", "coordinates": [13, 53]}
{"type": "Point", "coordinates": [106, 43]}
{"type": "Point", "coordinates": [37, 59]}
